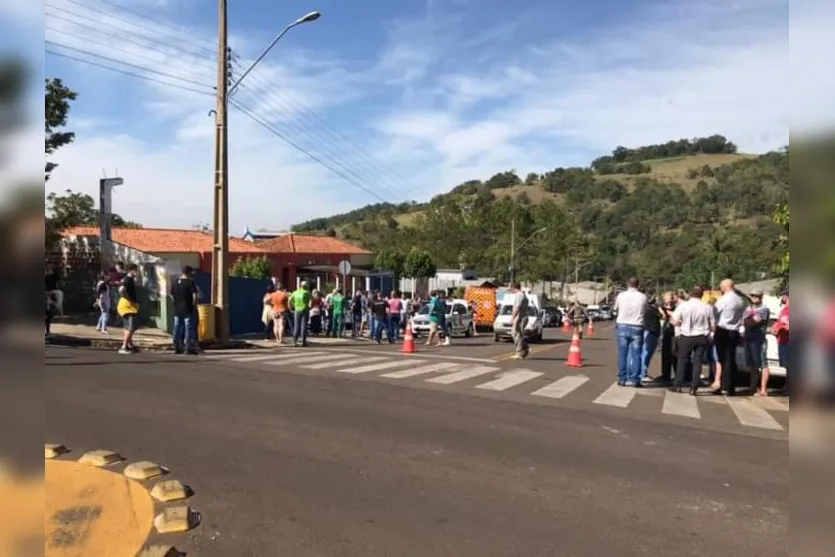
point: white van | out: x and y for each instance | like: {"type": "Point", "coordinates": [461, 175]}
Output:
{"type": "Point", "coordinates": [502, 329]}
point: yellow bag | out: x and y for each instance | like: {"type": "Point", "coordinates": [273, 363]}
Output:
{"type": "Point", "coordinates": [126, 307]}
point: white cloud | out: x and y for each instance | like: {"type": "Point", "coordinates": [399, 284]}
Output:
{"type": "Point", "coordinates": [470, 102]}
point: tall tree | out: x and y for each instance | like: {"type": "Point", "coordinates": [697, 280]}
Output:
{"type": "Point", "coordinates": [393, 260]}
{"type": "Point", "coordinates": [57, 109]}
{"type": "Point", "coordinates": [419, 264]}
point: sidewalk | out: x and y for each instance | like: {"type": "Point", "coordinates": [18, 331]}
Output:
{"type": "Point", "coordinates": [75, 334]}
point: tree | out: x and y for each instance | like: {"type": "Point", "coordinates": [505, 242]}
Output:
{"type": "Point", "coordinates": [392, 260]}
{"type": "Point", "coordinates": [252, 267]}
{"type": "Point", "coordinates": [74, 209]}
{"type": "Point", "coordinates": [781, 218]}
{"type": "Point", "coordinates": [57, 109]}
{"type": "Point", "coordinates": [419, 264]}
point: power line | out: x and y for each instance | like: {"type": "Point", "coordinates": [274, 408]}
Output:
{"type": "Point", "coordinates": [369, 170]}
{"type": "Point", "coordinates": [116, 47]}
{"type": "Point", "coordinates": [324, 148]}
{"type": "Point", "coordinates": [115, 61]}
{"type": "Point", "coordinates": [127, 73]}
{"type": "Point", "coordinates": [281, 136]}
{"type": "Point", "coordinates": [123, 35]}
{"type": "Point", "coordinates": [177, 31]}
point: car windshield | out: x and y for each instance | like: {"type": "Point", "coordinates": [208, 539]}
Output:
{"type": "Point", "coordinates": [425, 309]}
{"type": "Point", "coordinates": [506, 310]}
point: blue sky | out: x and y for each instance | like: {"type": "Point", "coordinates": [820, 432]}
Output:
{"type": "Point", "coordinates": [408, 99]}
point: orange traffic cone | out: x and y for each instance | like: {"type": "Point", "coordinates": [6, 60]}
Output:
{"type": "Point", "coordinates": [408, 340]}
{"type": "Point", "coordinates": [566, 326]}
{"type": "Point", "coordinates": [590, 330]}
{"type": "Point", "coordinates": [575, 356]}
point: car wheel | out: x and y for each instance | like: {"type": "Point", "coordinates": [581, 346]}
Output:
{"type": "Point", "coordinates": [495, 338]}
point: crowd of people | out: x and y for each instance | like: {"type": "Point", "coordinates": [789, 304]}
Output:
{"type": "Point", "coordinates": [693, 332]}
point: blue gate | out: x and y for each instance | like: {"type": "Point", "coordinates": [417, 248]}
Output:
{"type": "Point", "coordinates": [245, 300]}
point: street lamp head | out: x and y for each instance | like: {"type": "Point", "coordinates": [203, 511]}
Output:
{"type": "Point", "coordinates": [312, 16]}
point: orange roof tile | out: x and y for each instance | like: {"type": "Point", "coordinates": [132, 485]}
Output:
{"type": "Point", "coordinates": [165, 240]}
{"type": "Point", "coordinates": [301, 243]}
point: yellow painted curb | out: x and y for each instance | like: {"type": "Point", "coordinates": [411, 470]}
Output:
{"type": "Point", "coordinates": [144, 470]}
{"type": "Point", "coordinates": [101, 457]}
{"type": "Point", "coordinates": [160, 551]}
{"type": "Point", "coordinates": [54, 450]}
{"type": "Point", "coordinates": [169, 490]}
{"type": "Point", "coordinates": [175, 519]}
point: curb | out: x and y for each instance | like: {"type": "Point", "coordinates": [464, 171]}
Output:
{"type": "Point", "coordinates": [115, 343]}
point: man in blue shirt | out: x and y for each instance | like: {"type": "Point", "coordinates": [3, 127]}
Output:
{"type": "Point", "coordinates": [755, 319]}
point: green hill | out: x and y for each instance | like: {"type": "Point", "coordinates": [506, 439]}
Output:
{"type": "Point", "coordinates": [671, 213]}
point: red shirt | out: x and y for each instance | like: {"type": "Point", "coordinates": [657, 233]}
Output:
{"type": "Point", "coordinates": [782, 326]}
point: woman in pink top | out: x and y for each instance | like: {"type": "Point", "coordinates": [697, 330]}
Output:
{"type": "Point", "coordinates": [395, 305]}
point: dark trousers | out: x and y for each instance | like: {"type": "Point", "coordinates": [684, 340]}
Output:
{"type": "Point", "coordinates": [691, 354]}
{"type": "Point", "coordinates": [726, 343]}
{"type": "Point", "coordinates": [668, 360]}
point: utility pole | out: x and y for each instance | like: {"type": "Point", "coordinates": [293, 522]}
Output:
{"type": "Point", "coordinates": [220, 246]}
{"type": "Point", "coordinates": [512, 249]}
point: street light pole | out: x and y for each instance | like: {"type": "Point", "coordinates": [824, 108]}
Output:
{"type": "Point", "coordinates": [513, 247]}
{"type": "Point", "coordinates": [220, 243]}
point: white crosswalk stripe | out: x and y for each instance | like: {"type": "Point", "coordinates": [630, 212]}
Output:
{"type": "Point", "coordinates": [342, 363]}
{"type": "Point", "coordinates": [509, 379]}
{"type": "Point", "coordinates": [753, 413]}
{"type": "Point", "coordinates": [431, 368]}
{"type": "Point", "coordinates": [562, 387]}
{"type": "Point", "coordinates": [680, 404]}
{"type": "Point", "coordinates": [749, 414]}
{"type": "Point", "coordinates": [616, 395]}
{"type": "Point", "coordinates": [296, 359]}
{"type": "Point", "coordinates": [462, 375]}
{"type": "Point", "coordinates": [384, 365]}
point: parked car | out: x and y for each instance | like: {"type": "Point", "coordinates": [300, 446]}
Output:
{"type": "Point", "coordinates": [606, 313]}
{"type": "Point", "coordinates": [593, 314]}
{"type": "Point", "coordinates": [551, 317]}
{"type": "Point", "coordinates": [458, 313]}
{"type": "Point", "coordinates": [502, 329]}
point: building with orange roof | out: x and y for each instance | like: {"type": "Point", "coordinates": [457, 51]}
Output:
{"type": "Point", "coordinates": [294, 257]}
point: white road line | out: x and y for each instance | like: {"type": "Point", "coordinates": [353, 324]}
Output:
{"type": "Point", "coordinates": [462, 375]}
{"type": "Point", "coordinates": [384, 365]}
{"type": "Point", "coordinates": [303, 359]}
{"type": "Point", "coordinates": [750, 414]}
{"type": "Point", "coordinates": [562, 387]}
{"type": "Point", "coordinates": [419, 354]}
{"type": "Point", "coordinates": [443, 366]}
{"type": "Point", "coordinates": [616, 396]}
{"type": "Point", "coordinates": [343, 363]}
{"type": "Point", "coordinates": [509, 379]}
{"type": "Point", "coordinates": [271, 356]}
{"type": "Point", "coordinates": [680, 404]}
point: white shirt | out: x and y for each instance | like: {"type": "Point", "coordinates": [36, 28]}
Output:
{"type": "Point", "coordinates": [696, 318]}
{"type": "Point", "coordinates": [631, 306]}
{"type": "Point", "coordinates": [729, 311]}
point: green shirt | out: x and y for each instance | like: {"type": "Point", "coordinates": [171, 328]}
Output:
{"type": "Point", "coordinates": [300, 299]}
{"type": "Point", "coordinates": [338, 304]}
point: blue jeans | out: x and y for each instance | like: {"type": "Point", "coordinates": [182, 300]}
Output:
{"type": "Point", "coordinates": [378, 324]}
{"type": "Point", "coordinates": [104, 317]}
{"type": "Point", "coordinates": [300, 326]}
{"type": "Point", "coordinates": [630, 344]}
{"type": "Point", "coordinates": [650, 345]}
{"type": "Point", "coordinates": [394, 327]}
{"type": "Point", "coordinates": [185, 332]}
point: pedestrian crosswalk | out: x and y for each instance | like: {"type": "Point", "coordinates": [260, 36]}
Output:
{"type": "Point", "coordinates": [757, 413]}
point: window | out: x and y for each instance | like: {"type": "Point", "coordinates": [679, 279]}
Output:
{"type": "Point", "coordinates": [460, 309]}
{"type": "Point", "coordinates": [507, 309]}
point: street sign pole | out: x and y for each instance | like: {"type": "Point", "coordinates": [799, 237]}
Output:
{"type": "Point", "coordinates": [345, 269]}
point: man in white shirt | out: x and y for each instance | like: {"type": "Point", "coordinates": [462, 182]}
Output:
{"type": "Point", "coordinates": [729, 312]}
{"type": "Point", "coordinates": [630, 306]}
{"type": "Point", "coordinates": [695, 320]}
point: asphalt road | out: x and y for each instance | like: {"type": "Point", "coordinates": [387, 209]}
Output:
{"type": "Point", "coordinates": [303, 464]}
